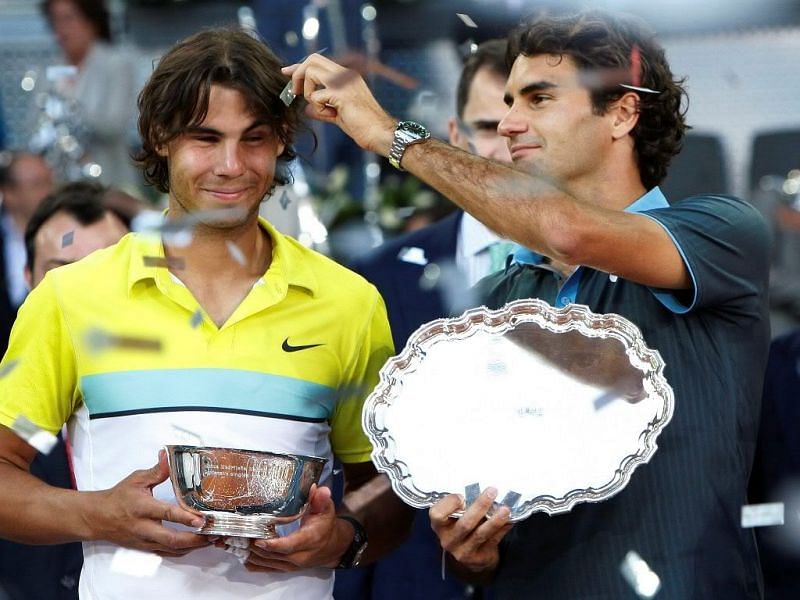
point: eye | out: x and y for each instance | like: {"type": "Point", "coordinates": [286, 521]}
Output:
{"type": "Point", "coordinates": [539, 99]}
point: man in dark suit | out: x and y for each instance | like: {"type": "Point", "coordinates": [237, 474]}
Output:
{"type": "Point", "coordinates": [25, 179]}
{"type": "Point", "coordinates": [423, 276]}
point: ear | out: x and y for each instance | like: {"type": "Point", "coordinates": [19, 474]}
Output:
{"type": "Point", "coordinates": [454, 133]}
{"type": "Point", "coordinates": [625, 113]}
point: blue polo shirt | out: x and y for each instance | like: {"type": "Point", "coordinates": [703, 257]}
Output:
{"type": "Point", "coordinates": [680, 512]}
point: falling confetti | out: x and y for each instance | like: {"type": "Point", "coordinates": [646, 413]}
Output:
{"type": "Point", "coordinates": [196, 319]}
{"type": "Point", "coordinates": [236, 253]}
{"type": "Point", "coordinates": [762, 515]}
{"type": "Point", "coordinates": [284, 200]}
{"type": "Point", "coordinates": [471, 493]}
{"type": "Point", "coordinates": [172, 262]}
{"type": "Point", "coordinates": [413, 255]}
{"type": "Point", "coordinates": [67, 239]}
{"type": "Point", "coordinates": [287, 96]}
{"type": "Point", "coordinates": [639, 575]}
{"type": "Point", "coordinates": [8, 367]}
{"type": "Point", "coordinates": [42, 440]}
{"type": "Point", "coordinates": [135, 563]}
{"type": "Point", "coordinates": [467, 20]}
{"type": "Point", "coordinates": [98, 340]}
{"type": "Point", "coordinates": [636, 66]}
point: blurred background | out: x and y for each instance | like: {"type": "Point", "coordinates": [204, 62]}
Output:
{"type": "Point", "coordinates": [739, 58]}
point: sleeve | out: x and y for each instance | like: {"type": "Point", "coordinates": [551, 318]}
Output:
{"type": "Point", "coordinates": [348, 440]}
{"type": "Point", "coordinates": [725, 244]}
{"type": "Point", "coordinates": [38, 373]}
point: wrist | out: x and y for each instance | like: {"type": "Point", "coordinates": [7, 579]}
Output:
{"type": "Point", "coordinates": [351, 557]}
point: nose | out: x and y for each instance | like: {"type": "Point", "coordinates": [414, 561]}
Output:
{"type": "Point", "coordinates": [512, 124]}
{"type": "Point", "coordinates": [229, 161]}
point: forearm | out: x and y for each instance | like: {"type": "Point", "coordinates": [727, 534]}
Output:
{"type": "Point", "coordinates": [513, 204]}
{"type": "Point", "coordinates": [33, 512]}
{"type": "Point", "coordinates": [386, 518]}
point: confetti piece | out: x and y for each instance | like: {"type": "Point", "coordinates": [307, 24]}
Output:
{"type": "Point", "coordinates": [413, 255]}
{"type": "Point", "coordinates": [98, 340]}
{"type": "Point", "coordinates": [639, 575]}
{"type": "Point", "coordinates": [8, 367]}
{"type": "Point", "coordinates": [605, 399]}
{"type": "Point", "coordinates": [510, 499]}
{"type": "Point", "coordinates": [285, 200]}
{"type": "Point", "coordinates": [467, 20]}
{"type": "Point", "coordinates": [42, 440]}
{"type": "Point", "coordinates": [287, 96]}
{"type": "Point", "coordinates": [639, 89]}
{"type": "Point", "coordinates": [762, 515]}
{"type": "Point", "coordinates": [196, 319]}
{"type": "Point", "coordinates": [471, 493]}
{"type": "Point", "coordinates": [172, 262]}
{"type": "Point", "coordinates": [236, 253]}
{"type": "Point", "coordinates": [636, 66]}
{"type": "Point", "coordinates": [67, 239]}
{"type": "Point", "coordinates": [135, 563]}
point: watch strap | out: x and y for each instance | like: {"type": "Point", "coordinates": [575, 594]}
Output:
{"type": "Point", "coordinates": [352, 555]}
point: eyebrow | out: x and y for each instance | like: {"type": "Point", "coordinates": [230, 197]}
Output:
{"type": "Point", "coordinates": [484, 124]}
{"type": "Point", "coordinates": [536, 86]}
{"type": "Point", "coordinates": [200, 130]}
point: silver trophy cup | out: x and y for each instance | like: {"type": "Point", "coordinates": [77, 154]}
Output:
{"type": "Point", "coordinates": [242, 493]}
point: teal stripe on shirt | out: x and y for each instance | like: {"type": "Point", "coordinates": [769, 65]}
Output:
{"type": "Point", "coordinates": [228, 390]}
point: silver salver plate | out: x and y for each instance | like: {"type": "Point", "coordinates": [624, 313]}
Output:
{"type": "Point", "coordinates": [553, 407]}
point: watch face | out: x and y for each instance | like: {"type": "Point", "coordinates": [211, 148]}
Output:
{"type": "Point", "coordinates": [417, 130]}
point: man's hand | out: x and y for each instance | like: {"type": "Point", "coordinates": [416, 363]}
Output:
{"type": "Point", "coordinates": [129, 516]}
{"type": "Point", "coordinates": [340, 96]}
{"type": "Point", "coordinates": [473, 539]}
{"type": "Point", "coordinates": [320, 542]}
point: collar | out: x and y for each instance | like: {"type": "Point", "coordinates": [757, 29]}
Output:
{"type": "Point", "coordinates": [475, 236]}
{"type": "Point", "coordinates": [288, 267]}
{"type": "Point", "coordinates": [651, 200]}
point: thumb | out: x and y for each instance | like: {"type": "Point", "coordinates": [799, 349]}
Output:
{"type": "Point", "coordinates": [158, 473]}
{"type": "Point", "coordinates": [320, 500]}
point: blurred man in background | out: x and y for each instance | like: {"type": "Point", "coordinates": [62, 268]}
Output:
{"type": "Point", "coordinates": [25, 179]}
{"type": "Point", "coordinates": [68, 225]}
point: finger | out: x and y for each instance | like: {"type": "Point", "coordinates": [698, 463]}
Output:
{"type": "Point", "coordinates": [326, 114]}
{"type": "Point", "coordinates": [473, 517]}
{"type": "Point", "coordinates": [270, 563]}
{"type": "Point", "coordinates": [487, 531]}
{"type": "Point", "coordinates": [170, 539]}
{"type": "Point", "coordinates": [164, 511]}
{"type": "Point", "coordinates": [319, 500]}
{"type": "Point", "coordinates": [156, 474]}
{"type": "Point", "coordinates": [441, 511]}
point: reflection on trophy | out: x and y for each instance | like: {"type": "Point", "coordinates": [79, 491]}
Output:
{"type": "Point", "coordinates": [243, 493]}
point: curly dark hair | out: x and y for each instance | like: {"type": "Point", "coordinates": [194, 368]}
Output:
{"type": "Point", "coordinates": [176, 95]}
{"type": "Point", "coordinates": [601, 43]}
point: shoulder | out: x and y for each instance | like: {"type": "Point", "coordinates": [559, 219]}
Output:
{"type": "Point", "coordinates": [98, 270]}
{"type": "Point", "coordinates": [437, 237]}
{"type": "Point", "coordinates": [326, 277]}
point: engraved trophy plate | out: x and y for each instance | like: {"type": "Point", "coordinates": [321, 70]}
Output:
{"type": "Point", "coordinates": [242, 493]}
{"type": "Point", "coordinates": [551, 406]}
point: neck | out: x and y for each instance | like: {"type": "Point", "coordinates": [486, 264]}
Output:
{"type": "Point", "coordinates": [219, 257]}
{"type": "Point", "coordinates": [615, 186]}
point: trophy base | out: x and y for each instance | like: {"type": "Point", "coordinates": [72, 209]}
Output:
{"type": "Point", "coordinates": [248, 526]}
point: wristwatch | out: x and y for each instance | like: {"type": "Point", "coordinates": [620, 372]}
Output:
{"type": "Point", "coordinates": [406, 134]}
{"type": "Point", "coordinates": [352, 555]}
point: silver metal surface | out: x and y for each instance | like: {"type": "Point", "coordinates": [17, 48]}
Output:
{"type": "Point", "coordinates": [242, 493]}
{"type": "Point", "coordinates": [551, 406]}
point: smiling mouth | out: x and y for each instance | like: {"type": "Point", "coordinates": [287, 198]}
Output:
{"type": "Point", "coordinates": [522, 148]}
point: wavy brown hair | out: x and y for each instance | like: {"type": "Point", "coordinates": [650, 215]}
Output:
{"type": "Point", "coordinates": [602, 44]}
{"type": "Point", "coordinates": [176, 96]}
